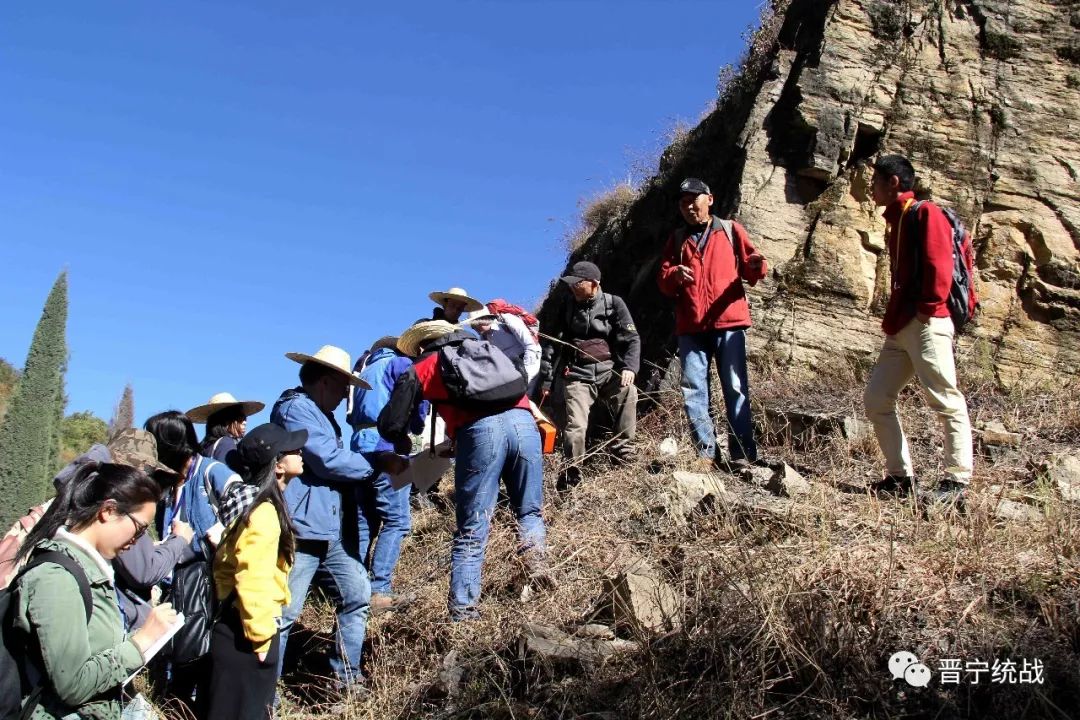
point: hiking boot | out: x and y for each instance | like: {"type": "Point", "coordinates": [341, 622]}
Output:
{"type": "Point", "coordinates": [538, 572]}
{"type": "Point", "coordinates": [568, 479]}
{"type": "Point", "coordinates": [895, 486]}
{"type": "Point", "coordinates": [422, 501]}
{"type": "Point", "coordinates": [389, 602]}
{"type": "Point", "coordinates": [949, 493]}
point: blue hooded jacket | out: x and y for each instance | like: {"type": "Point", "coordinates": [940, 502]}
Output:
{"type": "Point", "coordinates": [314, 498]}
{"type": "Point", "coordinates": [381, 370]}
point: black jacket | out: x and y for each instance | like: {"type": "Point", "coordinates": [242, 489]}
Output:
{"type": "Point", "coordinates": [604, 317]}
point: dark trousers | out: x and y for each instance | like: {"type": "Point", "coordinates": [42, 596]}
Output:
{"type": "Point", "coordinates": [241, 687]}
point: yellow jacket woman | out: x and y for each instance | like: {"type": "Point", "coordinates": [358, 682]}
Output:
{"type": "Point", "coordinates": [251, 573]}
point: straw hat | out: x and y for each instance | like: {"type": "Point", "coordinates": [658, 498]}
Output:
{"type": "Point", "coordinates": [332, 357]}
{"type": "Point", "coordinates": [221, 401]}
{"type": "Point", "coordinates": [456, 293]}
{"type": "Point", "coordinates": [422, 332]}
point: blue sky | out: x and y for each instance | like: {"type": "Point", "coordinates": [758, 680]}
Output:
{"type": "Point", "coordinates": [229, 181]}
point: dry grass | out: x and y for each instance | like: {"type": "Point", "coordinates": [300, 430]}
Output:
{"type": "Point", "coordinates": [791, 616]}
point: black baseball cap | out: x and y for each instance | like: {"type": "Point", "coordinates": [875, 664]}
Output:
{"type": "Point", "coordinates": [695, 186]}
{"type": "Point", "coordinates": [583, 270]}
{"type": "Point", "coordinates": [263, 444]}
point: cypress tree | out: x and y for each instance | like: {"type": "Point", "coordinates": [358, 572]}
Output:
{"type": "Point", "coordinates": [124, 413]}
{"type": "Point", "coordinates": [30, 436]}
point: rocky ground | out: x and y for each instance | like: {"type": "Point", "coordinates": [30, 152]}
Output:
{"type": "Point", "coordinates": [782, 593]}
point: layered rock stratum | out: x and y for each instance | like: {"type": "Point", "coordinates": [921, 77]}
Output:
{"type": "Point", "coordinates": [982, 95]}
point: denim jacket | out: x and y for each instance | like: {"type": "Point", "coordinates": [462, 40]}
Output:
{"type": "Point", "coordinates": [314, 498]}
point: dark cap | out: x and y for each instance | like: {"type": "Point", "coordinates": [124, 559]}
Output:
{"type": "Point", "coordinates": [583, 270]}
{"type": "Point", "coordinates": [695, 186]}
{"type": "Point", "coordinates": [263, 444]}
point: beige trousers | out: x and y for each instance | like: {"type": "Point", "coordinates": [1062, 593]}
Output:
{"type": "Point", "coordinates": [620, 402]}
{"type": "Point", "coordinates": [925, 352]}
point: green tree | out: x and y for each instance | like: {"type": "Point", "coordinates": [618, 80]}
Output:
{"type": "Point", "coordinates": [79, 431]}
{"type": "Point", "coordinates": [124, 414]}
{"type": "Point", "coordinates": [9, 379]}
{"type": "Point", "coordinates": [31, 431]}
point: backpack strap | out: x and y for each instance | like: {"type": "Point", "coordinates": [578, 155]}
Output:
{"type": "Point", "coordinates": [68, 563]}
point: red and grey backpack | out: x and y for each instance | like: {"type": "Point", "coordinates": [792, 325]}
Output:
{"type": "Point", "coordinates": [498, 306]}
{"type": "Point", "coordinates": [963, 300]}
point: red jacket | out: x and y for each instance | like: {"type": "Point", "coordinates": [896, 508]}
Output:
{"type": "Point", "coordinates": [715, 300]}
{"type": "Point", "coordinates": [923, 238]}
{"type": "Point", "coordinates": [434, 389]}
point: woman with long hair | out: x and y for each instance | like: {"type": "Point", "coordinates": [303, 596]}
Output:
{"type": "Point", "coordinates": [98, 514]}
{"type": "Point", "coordinates": [226, 422]}
{"type": "Point", "coordinates": [251, 573]}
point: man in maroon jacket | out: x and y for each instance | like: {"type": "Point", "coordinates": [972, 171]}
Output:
{"type": "Point", "coordinates": [918, 334]}
{"type": "Point", "coordinates": [704, 265]}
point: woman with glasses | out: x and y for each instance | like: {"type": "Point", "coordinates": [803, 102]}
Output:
{"type": "Point", "coordinates": [251, 574]}
{"type": "Point", "coordinates": [84, 657]}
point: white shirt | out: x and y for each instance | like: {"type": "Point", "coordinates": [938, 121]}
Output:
{"type": "Point", "coordinates": [72, 539]}
{"type": "Point", "coordinates": [510, 334]}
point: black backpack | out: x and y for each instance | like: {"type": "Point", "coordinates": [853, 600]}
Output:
{"type": "Point", "coordinates": [963, 301]}
{"type": "Point", "coordinates": [15, 682]}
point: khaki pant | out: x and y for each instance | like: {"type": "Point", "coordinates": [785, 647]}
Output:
{"type": "Point", "coordinates": [620, 401]}
{"type": "Point", "coordinates": [925, 352]}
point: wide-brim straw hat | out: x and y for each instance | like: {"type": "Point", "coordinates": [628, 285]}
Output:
{"type": "Point", "coordinates": [410, 341]}
{"type": "Point", "coordinates": [221, 401]}
{"type": "Point", "coordinates": [456, 293]}
{"type": "Point", "coordinates": [334, 358]}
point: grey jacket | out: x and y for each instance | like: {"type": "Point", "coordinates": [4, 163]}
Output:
{"type": "Point", "coordinates": [606, 317]}
{"type": "Point", "coordinates": [143, 566]}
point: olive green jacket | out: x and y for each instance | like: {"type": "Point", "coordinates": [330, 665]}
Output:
{"type": "Point", "coordinates": [85, 662]}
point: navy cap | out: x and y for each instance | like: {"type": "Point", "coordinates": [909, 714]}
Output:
{"type": "Point", "coordinates": [583, 270]}
{"type": "Point", "coordinates": [695, 186]}
{"type": "Point", "coordinates": [263, 444]}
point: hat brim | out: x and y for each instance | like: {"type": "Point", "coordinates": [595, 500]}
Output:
{"type": "Point", "coordinates": [471, 304]}
{"type": "Point", "coordinates": [410, 341]}
{"type": "Point", "coordinates": [202, 413]}
{"type": "Point", "coordinates": [141, 463]}
{"type": "Point", "coordinates": [304, 357]}
{"type": "Point", "coordinates": [295, 440]}
{"type": "Point", "coordinates": [571, 279]}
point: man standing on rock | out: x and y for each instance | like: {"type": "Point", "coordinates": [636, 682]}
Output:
{"type": "Point", "coordinates": [918, 334]}
{"type": "Point", "coordinates": [597, 358]}
{"type": "Point", "coordinates": [705, 263]}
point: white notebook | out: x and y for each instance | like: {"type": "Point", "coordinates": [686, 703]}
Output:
{"type": "Point", "coordinates": [156, 647]}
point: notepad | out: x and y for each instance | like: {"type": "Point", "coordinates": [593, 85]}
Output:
{"type": "Point", "coordinates": [156, 647]}
{"type": "Point", "coordinates": [424, 470]}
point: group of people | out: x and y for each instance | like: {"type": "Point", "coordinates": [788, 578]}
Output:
{"type": "Point", "coordinates": [247, 521]}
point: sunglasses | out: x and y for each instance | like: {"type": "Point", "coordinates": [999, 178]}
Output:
{"type": "Point", "coordinates": [140, 527]}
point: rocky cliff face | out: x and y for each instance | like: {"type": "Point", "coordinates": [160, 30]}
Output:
{"type": "Point", "coordinates": [982, 95]}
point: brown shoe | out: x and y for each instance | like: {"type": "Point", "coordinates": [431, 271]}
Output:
{"type": "Point", "coordinates": [388, 602]}
{"type": "Point", "coordinates": [703, 465]}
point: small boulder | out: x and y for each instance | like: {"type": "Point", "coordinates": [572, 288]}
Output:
{"type": "Point", "coordinates": [1017, 512]}
{"type": "Point", "coordinates": [994, 434]}
{"type": "Point", "coordinates": [669, 447]}
{"type": "Point", "coordinates": [1063, 471]}
{"type": "Point", "coordinates": [552, 644]}
{"type": "Point", "coordinates": [688, 491]}
{"type": "Point", "coordinates": [640, 598]}
{"type": "Point", "coordinates": [785, 481]}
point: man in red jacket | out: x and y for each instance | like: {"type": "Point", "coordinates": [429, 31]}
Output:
{"type": "Point", "coordinates": [704, 265]}
{"type": "Point", "coordinates": [918, 334]}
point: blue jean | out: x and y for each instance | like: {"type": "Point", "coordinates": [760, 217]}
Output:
{"type": "Point", "coordinates": [696, 353]}
{"type": "Point", "coordinates": [354, 591]}
{"type": "Point", "coordinates": [384, 521]}
{"type": "Point", "coordinates": [505, 445]}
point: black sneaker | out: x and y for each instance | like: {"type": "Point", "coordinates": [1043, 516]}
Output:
{"type": "Point", "coordinates": [895, 486]}
{"type": "Point", "coordinates": [948, 493]}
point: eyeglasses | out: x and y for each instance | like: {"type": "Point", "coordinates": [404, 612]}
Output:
{"type": "Point", "coordinates": [140, 527]}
